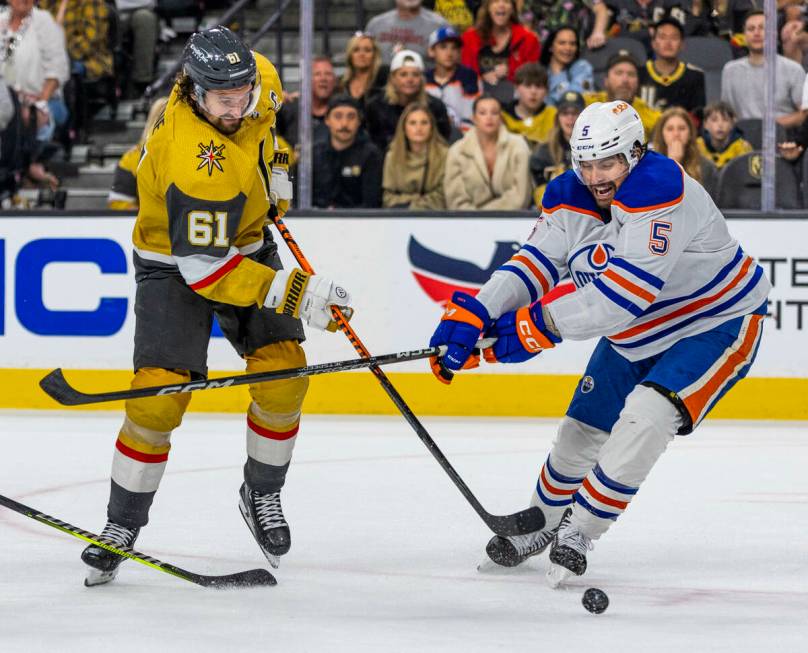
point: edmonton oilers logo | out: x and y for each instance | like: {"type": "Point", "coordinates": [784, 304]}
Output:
{"type": "Point", "coordinates": [588, 262]}
{"type": "Point", "coordinates": [587, 384]}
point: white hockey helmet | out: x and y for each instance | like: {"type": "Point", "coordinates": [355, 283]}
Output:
{"type": "Point", "coordinates": [604, 129]}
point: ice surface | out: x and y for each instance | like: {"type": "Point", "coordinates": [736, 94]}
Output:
{"type": "Point", "coordinates": [712, 555]}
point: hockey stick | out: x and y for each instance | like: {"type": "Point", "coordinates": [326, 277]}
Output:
{"type": "Point", "coordinates": [56, 385]}
{"type": "Point", "coordinates": [250, 578]}
{"type": "Point", "coordinates": [524, 521]}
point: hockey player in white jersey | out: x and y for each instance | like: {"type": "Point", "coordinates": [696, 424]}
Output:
{"type": "Point", "coordinates": [676, 301]}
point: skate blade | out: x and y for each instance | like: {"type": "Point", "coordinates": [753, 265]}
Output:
{"type": "Point", "coordinates": [557, 575]}
{"type": "Point", "coordinates": [97, 577]}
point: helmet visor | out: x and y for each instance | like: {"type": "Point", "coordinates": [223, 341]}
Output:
{"type": "Point", "coordinates": [231, 104]}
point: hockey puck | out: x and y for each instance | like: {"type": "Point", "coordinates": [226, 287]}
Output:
{"type": "Point", "coordinates": [595, 600]}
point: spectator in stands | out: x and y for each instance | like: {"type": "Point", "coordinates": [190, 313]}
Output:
{"type": "Point", "coordinates": [553, 158]}
{"type": "Point", "coordinates": [794, 37]}
{"type": "Point", "coordinates": [792, 150]}
{"type": "Point", "coordinates": [415, 163]}
{"type": "Point", "coordinates": [675, 136]}
{"type": "Point", "coordinates": [139, 18]}
{"type": "Point", "coordinates": [528, 114]}
{"type": "Point", "coordinates": [407, 27]}
{"type": "Point", "coordinates": [636, 18]}
{"type": "Point", "coordinates": [33, 61]}
{"type": "Point", "coordinates": [348, 173]}
{"type": "Point", "coordinates": [452, 83]}
{"type": "Point", "coordinates": [365, 73]}
{"type": "Point", "coordinates": [404, 85]}
{"type": "Point", "coordinates": [458, 13]}
{"type": "Point", "coordinates": [86, 27]}
{"type": "Point", "coordinates": [11, 165]}
{"type": "Point", "coordinates": [488, 168]}
{"type": "Point", "coordinates": [123, 194]}
{"type": "Point", "coordinates": [622, 82]}
{"type": "Point", "coordinates": [497, 45]}
{"type": "Point", "coordinates": [323, 84]}
{"type": "Point", "coordinates": [566, 70]}
{"type": "Point", "coordinates": [666, 80]}
{"type": "Point", "coordinates": [589, 18]}
{"type": "Point", "coordinates": [721, 141]}
{"type": "Point", "coordinates": [743, 81]}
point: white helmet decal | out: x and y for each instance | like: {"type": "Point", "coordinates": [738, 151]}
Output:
{"type": "Point", "coordinates": [604, 129]}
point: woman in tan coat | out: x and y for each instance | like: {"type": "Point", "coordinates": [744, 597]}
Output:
{"type": "Point", "coordinates": [415, 162]}
{"type": "Point", "coordinates": [488, 167]}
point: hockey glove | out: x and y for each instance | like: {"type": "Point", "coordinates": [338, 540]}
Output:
{"type": "Point", "coordinates": [307, 296]}
{"type": "Point", "coordinates": [280, 188]}
{"type": "Point", "coordinates": [520, 334]}
{"type": "Point", "coordinates": [461, 326]}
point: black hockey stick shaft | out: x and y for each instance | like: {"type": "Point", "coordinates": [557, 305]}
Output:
{"type": "Point", "coordinates": [250, 578]}
{"type": "Point", "coordinates": [524, 521]}
{"type": "Point", "coordinates": [57, 386]}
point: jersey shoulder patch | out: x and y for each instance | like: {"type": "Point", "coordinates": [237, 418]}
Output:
{"type": "Point", "coordinates": [655, 183]}
{"type": "Point", "coordinates": [567, 192]}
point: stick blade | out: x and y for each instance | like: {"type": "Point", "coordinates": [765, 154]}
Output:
{"type": "Point", "coordinates": [56, 387]}
{"type": "Point", "coordinates": [242, 579]}
{"type": "Point", "coordinates": [525, 521]}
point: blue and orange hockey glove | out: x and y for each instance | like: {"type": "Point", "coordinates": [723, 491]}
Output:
{"type": "Point", "coordinates": [463, 323]}
{"type": "Point", "coordinates": [520, 334]}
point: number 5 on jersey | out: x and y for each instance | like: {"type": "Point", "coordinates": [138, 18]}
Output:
{"type": "Point", "coordinates": [659, 242]}
{"type": "Point", "coordinates": [206, 228]}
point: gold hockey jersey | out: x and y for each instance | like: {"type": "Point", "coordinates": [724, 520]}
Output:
{"type": "Point", "coordinates": [204, 196]}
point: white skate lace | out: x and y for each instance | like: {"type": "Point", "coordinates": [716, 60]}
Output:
{"type": "Point", "coordinates": [528, 544]}
{"type": "Point", "coordinates": [268, 510]}
{"type": "Point", "coordinates": [116, 534]}
{"type": "Point", "coordinates": [574, 539]}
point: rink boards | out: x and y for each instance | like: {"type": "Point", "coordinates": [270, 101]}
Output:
{"type": "Point", "coordinates": [67, 291]}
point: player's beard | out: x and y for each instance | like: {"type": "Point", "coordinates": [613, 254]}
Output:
{"type": "Point", "coordinates": [227, 126]}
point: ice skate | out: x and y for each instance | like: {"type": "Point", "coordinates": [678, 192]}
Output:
{"type": "Point", "coordinates": [567, 552]}
{"type": "Point", "coordinates": [513, 550]}
{"type": "Point", "coordinates": [264, 517]}
{"type": "Point", "coordinates": [103, 565]}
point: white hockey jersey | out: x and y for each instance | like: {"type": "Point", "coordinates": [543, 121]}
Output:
{"type": "Point", "coordinates": [658, 266]}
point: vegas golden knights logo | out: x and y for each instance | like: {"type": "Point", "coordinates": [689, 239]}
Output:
{"type": "Point", "coordinates": [233, 58]}
{"type": "Point", "coordinates": [755, 165]}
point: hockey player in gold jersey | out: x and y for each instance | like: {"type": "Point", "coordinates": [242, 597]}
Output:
{"type": "Point", "coordinates": [208, 175]}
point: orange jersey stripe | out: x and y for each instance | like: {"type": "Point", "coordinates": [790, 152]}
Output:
{"type": "Point", "coordinates": [631, 287]}
{"type": "Point", "coordinates": [574, 209]}
{"type": "Point", "coordinates": [614, 503]}
{"type": "Point", "coordinates": [641, 209]}
{"type": "Point", "coordinates": [689, 308]}
{"type": "Point", "coordinates": [552, 487]}
{"type": "Point", "coordinates": [698, 401]}
{"type": "Point", "coordinates": [536, 272]}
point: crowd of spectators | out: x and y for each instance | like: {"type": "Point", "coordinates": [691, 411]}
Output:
{"type": "Point", "coordinates": [60, 62]}
{"type": "Point", "coordinates": [471, 104]}
{"type": "Point", "coordinates": [442, 104]}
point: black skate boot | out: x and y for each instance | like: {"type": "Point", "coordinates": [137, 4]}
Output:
{"type": "Point", "coordinates": [103, 565]}
{"type": "Point", "coordinates": [513, 550]}
{"type": "Point", "coordinates": [264, 517]}
{"type": "Point", "coordinates": [568, 552]}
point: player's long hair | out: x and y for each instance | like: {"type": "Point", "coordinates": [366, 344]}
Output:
{"type": "Point", "coordinates": [485, 26]}
{"type": "Point", "coordinates": [350, 71]}
{"type": "Point", "coordinates": [692, 158]}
